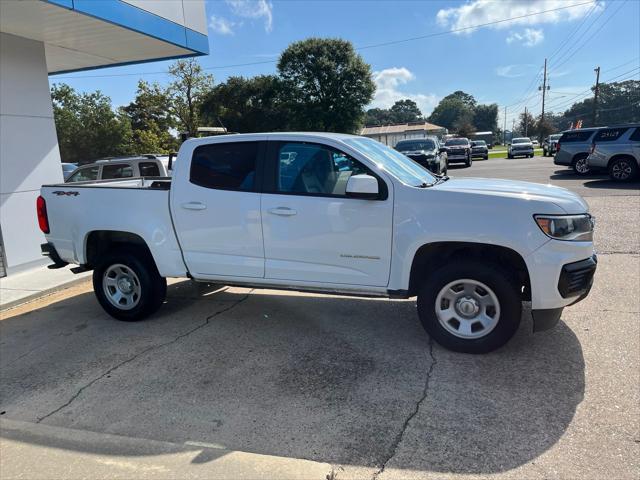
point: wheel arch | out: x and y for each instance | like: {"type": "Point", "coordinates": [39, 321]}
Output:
{"type": "Point", "coordinates": [433, 255]}
{"type": "Point", "coordinates": [99, 242]}
{"type": "Point", "coordinates": [619, 156]}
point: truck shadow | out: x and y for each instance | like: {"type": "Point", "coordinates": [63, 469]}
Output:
{"type": "Point", "coordinates": [327, 379]}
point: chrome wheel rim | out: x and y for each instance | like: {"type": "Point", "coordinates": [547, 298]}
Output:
{"type": "Point", "coordinates": [467, 308]}
{"type": "Point", "coordinates": [582, 166]}
{"type": "Point", "coordinates": [121, 286]}
{"type": "Point", "coordinates": [621, 170]}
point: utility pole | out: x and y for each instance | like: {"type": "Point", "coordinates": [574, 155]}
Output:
{"type": "Point", "coordinates": [595, 96]}
{"type": "Point", "coordinates": [504, 130]}
{"type": "Point", "coordinates": [544, 86]}
{"type": "Point", "coordinates": [526, 129]}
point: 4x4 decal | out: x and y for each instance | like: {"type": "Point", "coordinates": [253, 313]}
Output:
{"type": "Point", "coordinates": [68, 194]}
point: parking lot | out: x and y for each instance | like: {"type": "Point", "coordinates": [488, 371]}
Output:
{"type": "Point", "coordinates": [231, 382]}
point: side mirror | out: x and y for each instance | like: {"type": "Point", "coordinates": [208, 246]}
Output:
{"type": "Point", "coordinates": [363, 186]}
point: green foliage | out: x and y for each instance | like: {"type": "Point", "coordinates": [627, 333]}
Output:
{"type": "Point", "coordinates": [151, 119]}
{"type": "Point", "coordinates": [87, 126]}
{"type": "Point", "coordinates": [186, 92]}
{"type": "Point", "coordinates": [326, 85]}
{"type": "Point", "coordinates": [527, 125]}
{"type": "Point", "coordinates": [403, 111]}
{"type": "Point", "coordinates": [618, 102]}
{"type": "Point", "coordinates": [486, 118]}
{"type": "Point", "coordinates": [451, 112]}
{"type": "Point", "coordinates": [246, 105]}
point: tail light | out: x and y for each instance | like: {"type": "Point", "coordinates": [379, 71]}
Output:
{"type": "Point", "coordinates": [43, 219]}
{"type": "Point", "coordinates": [557, 146]}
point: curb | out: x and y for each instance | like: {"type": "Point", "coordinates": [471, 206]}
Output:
{"type": "Point", "coordinates": [44, 293]}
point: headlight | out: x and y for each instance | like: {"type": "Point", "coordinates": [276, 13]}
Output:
{"type": "Point", "coordinates": [578, 228]}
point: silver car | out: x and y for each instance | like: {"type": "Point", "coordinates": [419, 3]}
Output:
{"type": "Point", "coordinates": [574, 147]}
{"type": "Point", "coordinates": [617, 149]}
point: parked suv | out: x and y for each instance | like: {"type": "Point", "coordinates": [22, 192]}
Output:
{"type": "Point", "coordinates": [127, 167]}
{"type": "Point", "coordinates": [618, 150]}
{"type": "Point", "coordinates": [573, 149]}
{"type": "Point", "coordinates": [479, 149]}
{"type": "Point", "coordinates": [425, 151]}
{"type": "Point", "coordinates": [520, 147]}
{"type": "Point", "coordinates": [459, 150]}
{"type": "Point", "coordinates": [549, 145]}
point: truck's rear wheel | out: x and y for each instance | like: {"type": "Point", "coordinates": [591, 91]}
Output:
{"type": "Point", "coordinates": [471, 307]}
{"type": "Point", "coordinates": [128, 285]}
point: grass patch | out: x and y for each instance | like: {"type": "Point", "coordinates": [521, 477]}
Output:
{"type": "Point", "coordinates": [503, 153]}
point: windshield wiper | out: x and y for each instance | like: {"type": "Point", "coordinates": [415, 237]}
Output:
{"type": "Point", "coordinates": [442, 179]}
{"type": "Point", "coordinates": [424, 185]}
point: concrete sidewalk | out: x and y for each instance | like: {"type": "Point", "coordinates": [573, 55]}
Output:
{"type": "Point", "coordinates": [26, 286]}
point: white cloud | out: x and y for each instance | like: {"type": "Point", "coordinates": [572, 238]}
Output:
{"type": "Point", "coordinates": [221, 25]}
{"type": "Point", "coordinates": [484, 11]}
{"type": "Point", "coordinates": [514, 71]}
{"type": "Point", "coordinates": [254, 9]}
{"type": "Point", "coordinates": [387, 93]}
{"type": "Point", "coordinates": [529, 37]}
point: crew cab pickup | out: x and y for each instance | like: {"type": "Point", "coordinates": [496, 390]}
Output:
{"type": "Point", "coordinates": [335, 214]}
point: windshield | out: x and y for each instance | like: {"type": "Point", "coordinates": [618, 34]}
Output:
{"type": "Point", "coordinates": [456, 141]}
{"type": "Point", "coordinates": [521, 140]}
{"type": "Point", "coordinates": [421, 145]}
{"type": "Point", "coordinates": [392, 161]}
{"type": "Point", "coordinates": [478, 143]}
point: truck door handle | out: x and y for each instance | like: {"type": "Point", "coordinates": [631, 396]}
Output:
{"type": "Point", "coordinates": [194, 206]}
{"type": "Point", "coordinates": [283, 211]}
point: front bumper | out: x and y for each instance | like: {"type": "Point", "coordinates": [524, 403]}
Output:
{"type": "Point", "coordinates": [522, 153]}
{"type": "Point", "coordinates": [557, 263]}
{"type": "Point", "coordinates": [457, 157]}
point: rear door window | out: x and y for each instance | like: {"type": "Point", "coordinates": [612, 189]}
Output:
{"type": "Point", "coordinates": [225, 166]}
{"type": "Point", "coordinates": [609, 134]}
{"type": "Point", "coordinates": [635, 136]}
{"type": "Point", "coordinates": [85, 174]}
{"type": "Point", "coordinates": [121, 170]}
{"type": "Point", "coordinates": [149, 169]}
{"type": "Point", "coordinates": [576, 136]}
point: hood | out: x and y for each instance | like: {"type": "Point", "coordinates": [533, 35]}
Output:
{"type": "Point", "coordinates": [568, 201]}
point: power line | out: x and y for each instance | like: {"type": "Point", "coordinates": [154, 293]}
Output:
{"type": "Point", "coordinates": [574, 31]}
{"type": "Point", "coordinates": [365, 47]}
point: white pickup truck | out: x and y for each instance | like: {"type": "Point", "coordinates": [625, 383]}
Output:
{"type": "Point", "coordinates": [335, 214]}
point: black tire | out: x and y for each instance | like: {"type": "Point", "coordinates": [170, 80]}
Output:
{"type": "Point", "coordinates": [509, 155]}
{"type": "Point", "coordinates": [578, 165]}
{"type": "Point", "coordinates": [623, 169]}
{"type": "Point", "coordinates": [469, 161]}
{"type": "Point", "coordinates": [500, 281]}
{"type": "Point", "coordinates": [486, 157]}
{"type": "Point", "coordinates": [152, 287]}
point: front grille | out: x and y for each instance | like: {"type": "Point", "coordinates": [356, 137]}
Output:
{"type": "Point", "coordinates": [577, 277]}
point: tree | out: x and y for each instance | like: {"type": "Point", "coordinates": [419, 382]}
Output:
{"type": "Point", "coordinates": [246, 105]}
{"type": "Point", "coordinates": [326, 85]}
{"type": "Point", "coordinates": [618, 102]}
{"type": "Point", "coordinates": [526, 125]}
{"type": "Point", "coordinates": [87, 127]}
{"type": "Point", "coordinates": [451, 111]}
{"type": "Point", "coordinates": [465, 98]}
{"type": "Point", "coordinates": [405, 111]}
{"type": "Point", "coordinates": [151, 119]}
{"type": "Point", "coordinates": [187, 90]}
{"type": "Point", "coordinates": [402, 111]}
{"type": "Point", "coordinates": [486, 118]}
{"type": "Point", "coordinates": [378, 116]}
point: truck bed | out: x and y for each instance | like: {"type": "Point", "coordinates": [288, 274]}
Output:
{"type": "Point", "coordinates": [137, 205]}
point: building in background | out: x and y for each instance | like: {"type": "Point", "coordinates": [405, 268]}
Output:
{"type": "Point", "coordinates": [392, 134]}
{"type": "Point", "coordinates": [41, 37]}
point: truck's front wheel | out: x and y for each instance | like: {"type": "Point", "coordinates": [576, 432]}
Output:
{"type": "Point", "coordinates": [471, 307]}
{"type": "Point", "coordinates": [128, 285]}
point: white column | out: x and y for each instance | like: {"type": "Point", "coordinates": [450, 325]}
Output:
{"type": "Point", "coordinates": [29, 155]}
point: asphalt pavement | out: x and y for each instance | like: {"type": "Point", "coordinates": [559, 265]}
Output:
{"type": "Point", "coordinates": [239, 383]}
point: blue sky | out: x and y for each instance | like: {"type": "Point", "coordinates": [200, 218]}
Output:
{"type": "Point", "coordinates": [498, 63]}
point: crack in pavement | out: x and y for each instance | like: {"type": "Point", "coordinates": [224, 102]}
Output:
{"type": "Point", "coordinates": [139, 354]}
{"type": "Point", "coordinates": [405, 425]}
